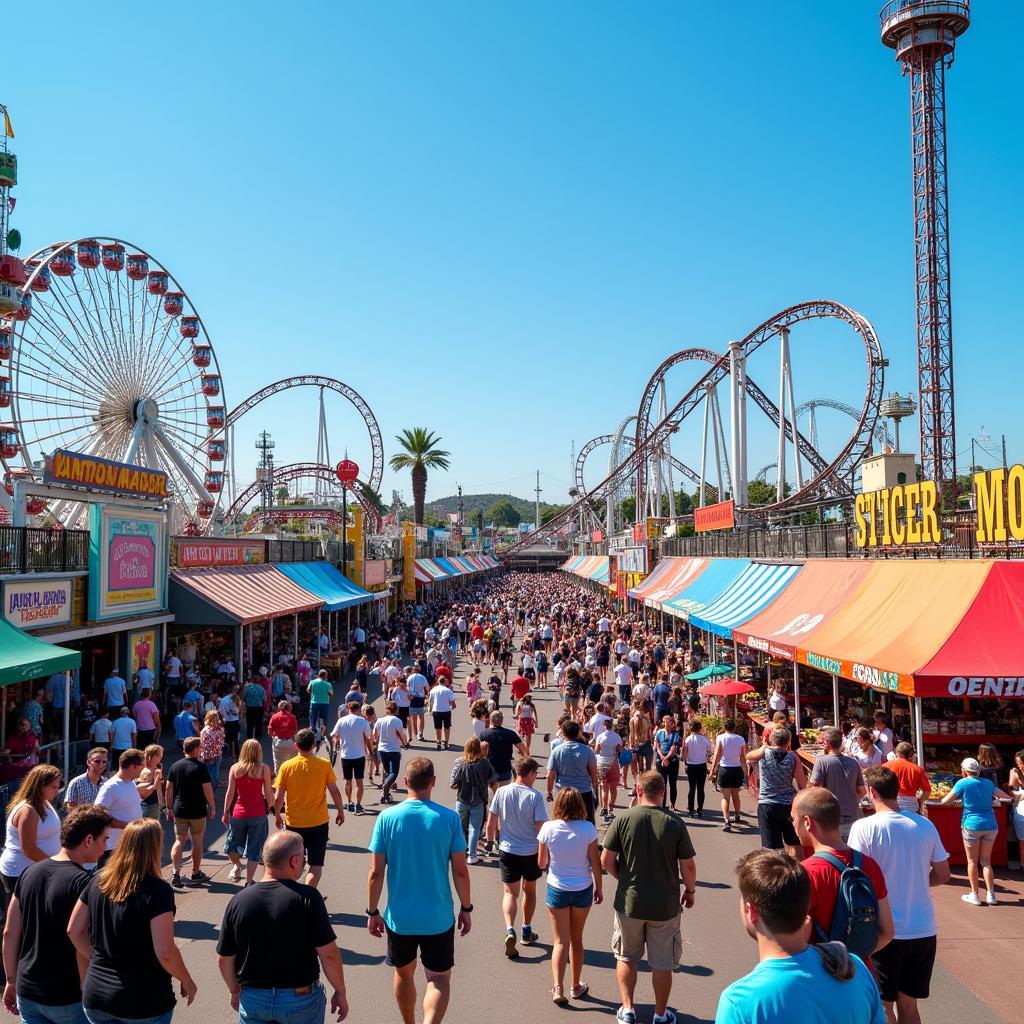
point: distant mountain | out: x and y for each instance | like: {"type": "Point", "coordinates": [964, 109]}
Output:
{"type": "Point", "coordinates": [473, 503]}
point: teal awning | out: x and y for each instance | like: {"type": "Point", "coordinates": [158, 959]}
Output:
{"type": "Point", "coordinates": [23, 656]}
{"type": "Point", "coordinates": [326, 581]}
{"type": "Point", "coordinates": [710, 672]}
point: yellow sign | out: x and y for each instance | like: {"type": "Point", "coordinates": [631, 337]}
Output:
{"type": "Point", "coordinates": [999, 499]}
{"type": "Point", "coordinates": [96, 474]}
{"type": "Point", "coordinates": [906, 514]}
{"type": "Point", "coordinates": [408, 562]}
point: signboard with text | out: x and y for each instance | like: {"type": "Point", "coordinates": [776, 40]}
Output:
{"type": "Point", "coordinates": [721, 516]}
{"type": "Point", "coordinates": [374, 572]}
{"type": "Point", "coordinates": [191, 553]}
{"type": "Point", "coordinates": [71, 469]}
{"type": "Point", "coordinates": [128, 557]}
{"type": "Point", "coordinates": [633, 559]}
{"type": "Point", "coordinates": [34, 604]}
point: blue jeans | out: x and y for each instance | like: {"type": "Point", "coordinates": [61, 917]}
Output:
{"type": "Point", "coordinates": [37, 1013]}
{"type": "Point", "coordinates": [213, 767]}
{"type": "Point", "coordinates": [390, 759]}
{"type": "Point", "coordinates": [472, 818]}
{"type": "Point", "coordinates": [318, 713]}
{"type": "Point", "coordinates": [281, 1005]}
{"type": "Point", "coordinates": [102, 1017]}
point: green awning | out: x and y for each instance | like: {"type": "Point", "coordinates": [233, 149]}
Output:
{"type": "Point", "coordinates": [711, 671]}
{"type": "Point", "coordinates": [23, 656]}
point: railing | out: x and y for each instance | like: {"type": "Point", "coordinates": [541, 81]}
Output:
{"type": "Point", "coordinates": [29, 549]}
{"type": "Point", "coordinates": [295, 551]}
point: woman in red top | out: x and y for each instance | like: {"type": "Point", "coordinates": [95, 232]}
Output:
{"type": "Point", "coordinates": [283, 726]}
{"type": "Point", "coordinates": [246, 806]}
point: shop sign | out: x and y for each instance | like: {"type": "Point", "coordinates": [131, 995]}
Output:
{"type": "Point", "coordinates": [374, 572]}
{"type": "Point", "coordinates": [999, 499]}
{"type": "Point", "coordinates": [34, 604]}
{"type": "Point", "coordinates": [639, 533]}
{"type": "Point", "coordinates": [905, 514]}
{"type": "Point", "coordinates": [128, 557]}
{"type": "Point", "coordinates": [830, 665]}
{"type": "Point", "coordinates": [192, 554]}
{"type": "Point", "coordinates": [71, 469]}
{"type": "Point", "coordinates": [596, 536]}
{"type": "Point", "coordinates": [721, 516]}
{"type": "Point", "coordinates": [986, 686]}
{"type": "Point", "coordinates": [875, 677]}
{"type": "Point", "coordinates": [633, 560]}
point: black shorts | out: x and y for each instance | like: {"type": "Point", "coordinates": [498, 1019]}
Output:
{"type": "Point", "coordinates": [905, 965]}
{"type": "Point", "coordinates": [730, 778]}
{"type": "Point", "coordinates": [776, 826]}
{"type": "Point", "coordinates": [516, 867]}
{"type": "Point", "coordinates": [437, 952]}
{"type": "Point", "coordinates": [353, 767]}
{"type": "Point", "coordinates": [403, 716]}
{"type": "Point", "coordinates": [314, 839]}
{"type": "Point", "coordinates": [442, 719]}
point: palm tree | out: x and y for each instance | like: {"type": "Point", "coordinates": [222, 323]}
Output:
{"type": "Point", "coordinates": [421, 453]}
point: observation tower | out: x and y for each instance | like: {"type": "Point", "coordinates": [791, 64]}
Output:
{"type": "Point", "coordinates": [923, 33]}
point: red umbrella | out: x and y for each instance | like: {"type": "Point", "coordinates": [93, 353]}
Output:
{"type": "Point", "coordinates": [725, 688]}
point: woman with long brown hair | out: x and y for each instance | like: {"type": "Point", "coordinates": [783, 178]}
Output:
{"type": "Point", "coordinates": [246, 803]}
{"type": "Point", "coordinates": [124, 928]}
{"type": "Point", "coordinates": [568, 850]}
{"type": "Point", "coordinates": [33, 826]}
{"type": "Point", "coordinates": [472, 776]}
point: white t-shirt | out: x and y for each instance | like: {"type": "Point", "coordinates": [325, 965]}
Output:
{"type": "Point", "coordinates": [351, 729]}
{"type": "Point", "coordinates": [730, 744]}
{"type": "Point", "coordinates": [115, 689]}
{"type": "Point", "coordinates": [603, 625]}
{"type": "Point", "coordinates": [121, 799]}
{"type": "Point", "coordinates": [776, 701]}
{"type": "Point", "coordinates": [101, 730]}
{"type": "Point", "coordinates": [624, 674]}
{"type": "Point", "coordinates": [568, 843]}
{"type": "Point", "coordinates": [391, 673]}
{"type": "Point", "coordinates": [123, 729]}
{"type": "Point", "coordinates": [904, 845]}
{"type": "Point", "coordinates": [868, 758]}
{"type": "Point", "coordinates": [883, 737]}
{"type": "Point", "coordinates": [228, 709]}
{"type": "Point", "coordinates": [605, 746]}
{"type": "Point", "coordinates": [417, 683]}
{"type": "Point", "coordinates": [387, 729]}
{"type": "Point", "coordinates": [641, 691]}
{"type": "Point", "coordinates": [598, 724]}
{"type": "Point", "coordinates": [441, 699]}
{"type": "Point", "coordinates": [173, 667]}
{"type": "Point", "coordinates": [698, 747]}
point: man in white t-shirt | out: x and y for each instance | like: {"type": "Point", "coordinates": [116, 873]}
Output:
{"type": "Point", "coordinates": [603, 625]}
{"type": "Point", "coordinates": [910, 853]}
{"type": "Point", "coordinates": [119, 795]}
{"type": "Point", "coordinates": [352, 734]}
{"type": "Point", "coordinates": [624, 680]}
{"type": "Point", "coordinates": [442, 702]}
{"type": "Point", "coordinates": [115, 691]}
{"type": "Point", "coordinates": [600, 721]}
{"type": "Point", "coordinates": [418, 686]}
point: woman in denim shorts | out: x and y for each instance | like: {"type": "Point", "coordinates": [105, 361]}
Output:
{"type": "Point", "coordinates": [246, 802]}
{"type": "Point", "coordinates": [568, 849]}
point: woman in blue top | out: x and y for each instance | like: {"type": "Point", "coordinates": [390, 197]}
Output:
{"type": "Point", "coordinates": [978, 826]}
{"type": "Point", "coordinates": [666, 759]}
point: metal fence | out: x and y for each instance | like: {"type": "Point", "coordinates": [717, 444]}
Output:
{"type": "Point", "coordinates": [295, 551]}
{"type": "Point", "coordinates": [28, 549]}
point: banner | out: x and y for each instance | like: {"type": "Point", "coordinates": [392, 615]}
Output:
{"type": "Point", "coordinates": [374, 572]}
{"type": "Point", "coordinates": [715, 517]}
{"type": "Point", "coordinates": [188, 553]}
{"type": "Point", "coordinates": [34, 604]}
{"type": "Point", "coordinates": [142, 652]}
{"type": "Point", "coordinates": [128, 557]}
{"type": "Point", "coordinates": [633, 560]}
{"type": "Point", "coordinates": [71, 469]}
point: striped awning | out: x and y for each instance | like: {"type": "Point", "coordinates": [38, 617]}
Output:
{"type": "Point", "coordinates": [755, 588]}
{"type": "Point", "coordinates": [245, 593]}
{"type": "Point", "coordinates": [705, 588]}
{"type": "Point", "coordinates": [326, 581]}
{"type": "Point", "coordinates": [427, 570]}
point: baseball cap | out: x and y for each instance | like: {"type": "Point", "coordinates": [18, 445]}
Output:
{"type": "Point", "coordinates": [971, 766]}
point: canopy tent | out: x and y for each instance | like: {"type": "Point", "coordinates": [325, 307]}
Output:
{"type": "Point", "coordinates": [572, 564]}
{"type": "Point", "coordinates": [448, 566]}
{"type": "Point", "coordinates": [754, 589]}
{"type": "Point", "coordinates": [589, 567]}
{"type": "Point", "coordinates": [23, 656]}
{"type": "Point", "coordinates": [670, 576]}
{"type": "Point", "coordinates": [326, 581]}
{"type": "Point", "coordinates": [236, 595]}
{"type": "Point", "coordinates": [981, 657]}
{"type": "Point", "coordinates": [895, 622]}
{"type": "Point", "coordinates": [599, 572]}
{"type": "Point", "coordinates": [710, 672]}
{"type": "Point", "coordinates": [817, 592]}
{"type": "Point", "coordinates": [464, 565]}
{"type": "Point", "coordinates": [426, 570]}
{"type": "Point", "coordinates": [725, 688]}
{"type": "Point", "coordinates": [662, 571]}
{"type": "Point", "coordinates": [705, 588]}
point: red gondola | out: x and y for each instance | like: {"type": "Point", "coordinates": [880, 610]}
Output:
{"type": "Point", "coordinates": [138, 267]}
{"type": "Point", "coordinates": [35, 506]}
{"type": "Point", "coordinates": [202, 356]}
{"type": "Point", "coordinates": [189, 327]}
{"type": "Point", "coordinates": [89, 254]}
{"type": "Point", "coordinates": [215, 417]}
{"type": "Point", "coordinates": [41, 282]}
{"type": "Point", "coordinates": [214, 481]}
{"type": "Point", "coordinates": [157, 283]}
{"type": "Point", "coordinates": [24, 311]}
{"type": "Point", "coordinates": [174, 303]}
{"type": "Point", "coordinates": [113, 257]}
{"type": "Point", "coordinates": [63, 263]}
{"type": "Point", "coordinates": [210, 384]}
{"type": "Point", "coordinates": [6, 344]}
{"type": "Point", "coordinates": [215, 451]}
{"type": "Point", "coordinates": [13, 270]}
{"type": "Point", "coordinates": [8, 441]}
{"type": "Point", "coordinates": [204, 509]}
{"type": "Point", "coordinates": [5, 394]}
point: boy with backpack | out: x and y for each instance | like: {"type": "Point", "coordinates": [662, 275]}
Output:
{"type": "Point", "coordinates": [849, 899]}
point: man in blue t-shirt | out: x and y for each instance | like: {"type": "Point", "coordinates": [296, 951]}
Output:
{"type": "Point", "coordinates": [660, 695]}
{"type": "Point", "coordinates": [185, 725]}
{"type": "Point", "coordinates": [792, 980]}
{"type": "Point", "coordinates": [573, 763]}
{"type": "Point", "coordinates": [415, 844]}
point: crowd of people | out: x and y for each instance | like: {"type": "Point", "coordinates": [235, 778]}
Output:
{"type": "Point", "coordinates": [838, 901]}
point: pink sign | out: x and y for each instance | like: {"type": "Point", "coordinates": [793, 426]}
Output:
{"type": "Point", "coordinates": [132, 563]}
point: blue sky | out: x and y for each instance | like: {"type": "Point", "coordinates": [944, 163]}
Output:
{"type": "Point", "coordinates": [495, 220]}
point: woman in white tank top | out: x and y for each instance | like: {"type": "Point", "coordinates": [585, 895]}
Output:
{"type": "Point", "coordinates": [33, 827]}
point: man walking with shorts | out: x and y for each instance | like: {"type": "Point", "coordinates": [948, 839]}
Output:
{"type": "Point", "coordinates": [305, 780]}
{"type": "Point", "coordinates": [519, 811]}
{"type": "Point", "coordinates": [417, 845]}
{"type": "Point", "coordinates": [442, 703]}
{"type": "Point", "coordinates": [647, 849]}
{"type": "Point", "coordinates": [352, 733]}
{"type": "Point", "coordinates": [190, 802]}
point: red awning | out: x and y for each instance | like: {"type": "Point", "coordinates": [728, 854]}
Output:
{"type": "Point", "coordinates": [247, 593]}
{"type": "Point", "coordinates": [982, 658]}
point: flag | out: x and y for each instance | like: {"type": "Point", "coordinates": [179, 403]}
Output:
{"type": "Point", "coordinates": [8, 130]}
{"type": "Point", "coordinates": [11, 201]}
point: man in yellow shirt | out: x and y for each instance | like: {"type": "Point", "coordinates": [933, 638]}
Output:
{"type": "Point", "coordinates": [304, 781]}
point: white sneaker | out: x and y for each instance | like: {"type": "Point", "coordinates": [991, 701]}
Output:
{"type": "Point", "coordinates": [990, 899]}
{"type": "Point", "coordinates": [235, 874]}
{"type": "Point", "coordinates": [973, 898]}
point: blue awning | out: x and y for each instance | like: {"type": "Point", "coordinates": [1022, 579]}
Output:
{"type": "Point", "coordinates": [327, 582]}
{"type": "Point", "coordinates": [448, 567]}
{"type": "Point", "coordinates": [719, 574]}
{"type": "Point", "coordinates": [756, 587]}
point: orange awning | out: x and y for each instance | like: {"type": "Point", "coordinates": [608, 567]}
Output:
{"type": "Point", "coordinates": [817, 592]}
{"type": "Point", "coordinates": [684, 572]}
{"type": "Point", "coordinates": [662, 573]}
{"type": "Point", "coordinates": [895, 621]}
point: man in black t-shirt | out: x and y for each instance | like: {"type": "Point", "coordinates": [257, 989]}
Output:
{"type": "Point", "coordinates": [39, 958]}
{"type": "Point", "coordinates": [190, 801]}
{"type": "Point", "coordinates": [499, 743]}
{"type": "Point", "coordinates": [279, 979]}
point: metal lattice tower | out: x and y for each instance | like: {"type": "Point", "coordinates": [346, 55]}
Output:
{"type": "Point", "coordinates": [265, 471]}
{"type": "Point", "coordinates": [923, 33]}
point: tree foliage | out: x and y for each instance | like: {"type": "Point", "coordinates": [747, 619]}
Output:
{"type": "Point", "coordinates": [503, 513]}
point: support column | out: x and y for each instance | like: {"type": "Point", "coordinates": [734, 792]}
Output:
{"type": "Point", "coordinates": [704, 446]}
{"type": "Point", "coordinates": [796, 694]}
{"type": "Point", "coordinates": [67, 723]}
{"type": "Point", "coordinates": [270, 642]}
{"type": "Point", "coordinates": [835, 700]}
{"type": "Point", "coordinates": [918, 728]}
{"type": "Point", "coordinates": [737, 423]}
{"type": "Point", "coordinates": [239, 645]}
{"type": "Point", "coordinates": [295, 635]}
{"type": "Point", "coordinates": [780, 465]}
{"type": "Point", "coordinates": [319, 629]}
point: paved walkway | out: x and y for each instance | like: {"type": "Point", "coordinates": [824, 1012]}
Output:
{"type": "Point", "coordinates": [976, 980]}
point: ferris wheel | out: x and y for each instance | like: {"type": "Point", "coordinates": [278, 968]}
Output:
{"type": "Point", "coordinates": [110, 358]}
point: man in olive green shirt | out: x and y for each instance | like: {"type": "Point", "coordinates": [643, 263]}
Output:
{"type": "Point", "coordinates": [647, 849]}
{"type": "Point", "coordinates": [320, 694]}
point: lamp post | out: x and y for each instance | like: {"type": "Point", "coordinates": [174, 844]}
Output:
{"type": "Point", "coordinates": [347, 472]}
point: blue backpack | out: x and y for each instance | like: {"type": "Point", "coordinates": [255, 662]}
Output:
{"type": "Point", "coordinates": [855, 918]}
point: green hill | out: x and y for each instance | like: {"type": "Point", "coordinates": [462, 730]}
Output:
{"type": "Point", "coordinates": [473, 503]}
